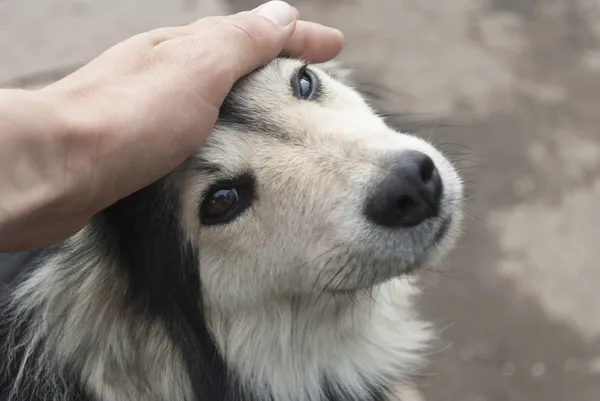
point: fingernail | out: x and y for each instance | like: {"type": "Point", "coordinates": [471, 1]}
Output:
{"type": "Point", "coordinates": [279, 12]}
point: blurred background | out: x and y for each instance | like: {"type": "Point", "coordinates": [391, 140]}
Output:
{"type": "Point", "coordinates": [511, 90]}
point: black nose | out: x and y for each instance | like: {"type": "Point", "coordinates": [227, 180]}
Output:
{"type": "Point", "coordinates": [408, 195]}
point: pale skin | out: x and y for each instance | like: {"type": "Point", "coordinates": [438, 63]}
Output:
{"type": "Point", "coordinates": [130, 116]}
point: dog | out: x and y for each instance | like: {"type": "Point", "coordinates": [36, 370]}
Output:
{"type": "Point", "coordinates": [271, 265]}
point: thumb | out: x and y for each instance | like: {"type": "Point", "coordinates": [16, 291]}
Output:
{"type": "Point", "coordinates": [253, 38]}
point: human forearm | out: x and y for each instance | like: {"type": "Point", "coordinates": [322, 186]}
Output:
{"type": "Point", "coordinates": [39, 170]}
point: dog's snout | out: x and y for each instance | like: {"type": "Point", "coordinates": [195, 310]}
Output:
{"type": "Point", "coordinates": [409, 194]}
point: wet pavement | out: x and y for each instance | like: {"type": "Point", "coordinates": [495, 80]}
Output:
{"type": "Point", "coordinates": [511, 90]}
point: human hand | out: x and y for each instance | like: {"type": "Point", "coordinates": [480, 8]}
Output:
{"type": "Point", "coordinates": [136, 112]}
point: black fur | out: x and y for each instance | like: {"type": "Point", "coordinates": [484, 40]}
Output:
{"type": "Point", "coordinates": [236, 112]}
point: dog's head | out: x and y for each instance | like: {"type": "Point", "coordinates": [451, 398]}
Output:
{"type": "Point", "coordinates": [303, 189]}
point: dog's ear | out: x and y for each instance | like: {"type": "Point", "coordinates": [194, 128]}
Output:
{"type": "Point", "coordinates": [338, 71]}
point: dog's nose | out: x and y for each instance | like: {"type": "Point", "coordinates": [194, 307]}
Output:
{"type": "Point", "coordinates": [408, 195]}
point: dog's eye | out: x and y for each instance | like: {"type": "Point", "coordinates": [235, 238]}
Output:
{"type": "Point", "coordinates": [226, 200]}
{"type": "Point", "coordinates": [305, 84]}
{"type": "Point", "coordinates": [220, 202]}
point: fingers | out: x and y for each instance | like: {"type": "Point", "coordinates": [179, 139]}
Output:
{"type": "Point", "coordinates": [308, 40]}
{"type": "Point", "coordinates": [278, 12]}
{"type": "Point", "coordinates": [314, 42]}
{"type": "Point", "coordinates": [250, 39]}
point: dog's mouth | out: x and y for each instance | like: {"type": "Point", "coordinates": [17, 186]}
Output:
{"type": "Point", "coordinates": [369, 272]}
{"type": "Point", "coordinates": [437, 238]}
{"type": "Point", "coordinates": [442, 232]}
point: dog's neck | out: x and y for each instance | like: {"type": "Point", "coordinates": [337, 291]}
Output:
{"type": "Point", "coordinates": [350, 347]}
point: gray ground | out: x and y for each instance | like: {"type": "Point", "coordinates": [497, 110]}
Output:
{"type": "Point", "coordinates": [513, 88]}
